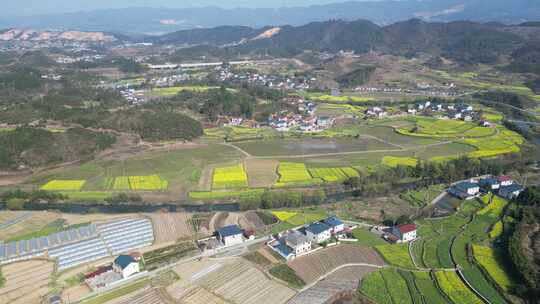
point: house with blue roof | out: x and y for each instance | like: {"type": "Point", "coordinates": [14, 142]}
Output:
{"type": "Point", "coordinates": [230, 235]}
{"type": "Point", "coordinates": [335, 224]}
{"type": "Point", "coordinates": [490, 183]}
{"type": "Point", "coordinates": [126, 265]}
{"type": "Point", "coordinates": [318, 232]}
{"type": "Point", "coordinates": [511, 192]}
{"type": "Point", "coordinates": [465, 190]}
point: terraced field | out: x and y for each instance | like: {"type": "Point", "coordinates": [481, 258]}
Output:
{"type": "Point", "coordinates": [311, 267]}
{"type": "Point", "coordinates": [333, 174]}
{"type": "Point", "coordinates": [455, 289]}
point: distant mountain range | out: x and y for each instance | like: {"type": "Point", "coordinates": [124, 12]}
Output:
{"type": "Point", "coordinates": [163, 20]}
{"type": "Point", "coordinates": [462, 42]}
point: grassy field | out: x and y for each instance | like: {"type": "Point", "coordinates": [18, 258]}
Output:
{"type": "Point", "coordinates": [287, 274]}
{"type": "Point", "coordinates": [444, 128]}
{"type": "Point", "coordinates": [367, 238]}
{"type": "Point", "coordinates": [294, 218]}
{"type": "Point", "coordinates": [230, 178]}
{"type": "Point", "coordinates": [396, 255]}
{"type": "Point", "coordinates": [455, 289]}
{"type": "Point", "coordinates": [88, 195]}
{"type": "Point", "coordinates": [337, 99]}
{"type": "Point", "coordinates": [176, 167]}
{"type": "Point", "coordinates": [421, 197]}
{"type": "Point", "coordinates": [63, 185]}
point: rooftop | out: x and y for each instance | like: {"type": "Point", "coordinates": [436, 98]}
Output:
{"type": "Point", "coordinates": [317, 228]}
{"type": "Point", "coordinates": [405, 228]}
{"type": "Point", "coordinates": [512, 188]}
{"type": "Point", "coordinates": [296, 238]}
{"type": "Point", "coordinates": [229, 230]}
{"type": "Point", "coordinates": [123, 261]}
{"type": "Point", "coordinates": [466, 185]}
{"type": "Point", "coordinates": [333, 221]}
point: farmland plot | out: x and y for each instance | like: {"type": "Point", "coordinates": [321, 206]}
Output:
{"type": "Point", "coordinates": [455, 289]}
{"type": "Point", "coordinates": [169, 227]}
{"type": "Point", "coordinates": [342, 280]}
{"type": "Point", "coordinates": [26, 282]}
{"type": "Point", "coordinates": [140, 183]}
{"type": "Point", "coordinates": [311, 267]}
{"type": "Point", "coordinates": [147, 295]}
{"type": "Point", "coordinates": [63, 185]}
{"type": "Point", "coordinates": [293, 173]}
{"type": "Point", "coordinates": [242, 283]}
{"type": "Point", "coordinates": [230, 177]}
{"type": "Point", "coordinates": [261, 172]}
{"type": "Point", "coordinates": [333, 174]}
{"type": "Point", "coordinates": [198, 295]}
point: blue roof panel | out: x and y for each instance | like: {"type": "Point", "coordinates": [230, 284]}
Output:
{"type": "Point", "coordinates": [317, 228]}
{"type": "Point", "coordinates": [229, 230]}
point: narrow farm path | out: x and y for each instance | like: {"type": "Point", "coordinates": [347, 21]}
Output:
{"type": "Point", "coordinates": [237, 148]}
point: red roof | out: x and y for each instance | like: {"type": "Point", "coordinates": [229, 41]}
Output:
{"type": "Point", "coordinates": [504, 178]}
{"type": "Point", "coordinates": [405, 228]}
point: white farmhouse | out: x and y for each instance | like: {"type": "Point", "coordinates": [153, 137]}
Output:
{"type": "Point", "coordinates": [335, 224]}
{"type": "Point", "coordinates": [126, 265]}
{"type": "Point", "coordinates": [318, 232]}
{"type": "Point", "coordinates": [298, 242]}
{"type": "Point", "coordinates": [405, 233]}
{"type": "Point", "coordinates": [230, 235]}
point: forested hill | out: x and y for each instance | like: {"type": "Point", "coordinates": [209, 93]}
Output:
{"type": "Point", "coordinates": [460, 41]}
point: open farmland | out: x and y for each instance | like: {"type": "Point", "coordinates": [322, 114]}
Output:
{"type": "Point", "coordinates": [169, 227]}
{"type": "Point", "coordinates": [63, 185]}
{"type": "Point", "coordinates": [313, 266]}
{"type": "Point", "coordinates": [242, 283]}
{"type": "Point", "coordinates": [26, 282]}
{"type": "Point", "coordinates": [342, 280]}
{"type": "Point", "coordinates": [230, 177]}
{"type": "Point", "coordinates": [140, 183]}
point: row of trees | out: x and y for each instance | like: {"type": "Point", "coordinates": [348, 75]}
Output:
{"type": "Point", "coordinates": [523, 244]}
{"type": "Point", "coordinates": [282, 199]}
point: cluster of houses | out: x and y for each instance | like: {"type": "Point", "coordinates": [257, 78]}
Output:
{"type": "Point", "coordinates": [169, 80]}
{"type": "Point", "coordinates": [123, 267]}
{"type": "Point", "coordinates": [297, 242]}
{"type": "Point", "coordinates": [304, 120]}
{"type": "Point", "coordinates": [272, 81]}
{"type": "Point", "coordinates": [133, 96]}
{"type": "Point", "coordinates": [504, 186]}
{"type": "Point", "coordinates": [446, 90]}
{"type": "Point", "coordinates": [461, 111]}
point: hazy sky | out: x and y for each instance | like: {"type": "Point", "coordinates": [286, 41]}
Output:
{"type": "Point", "coordinates": [33, 7]}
